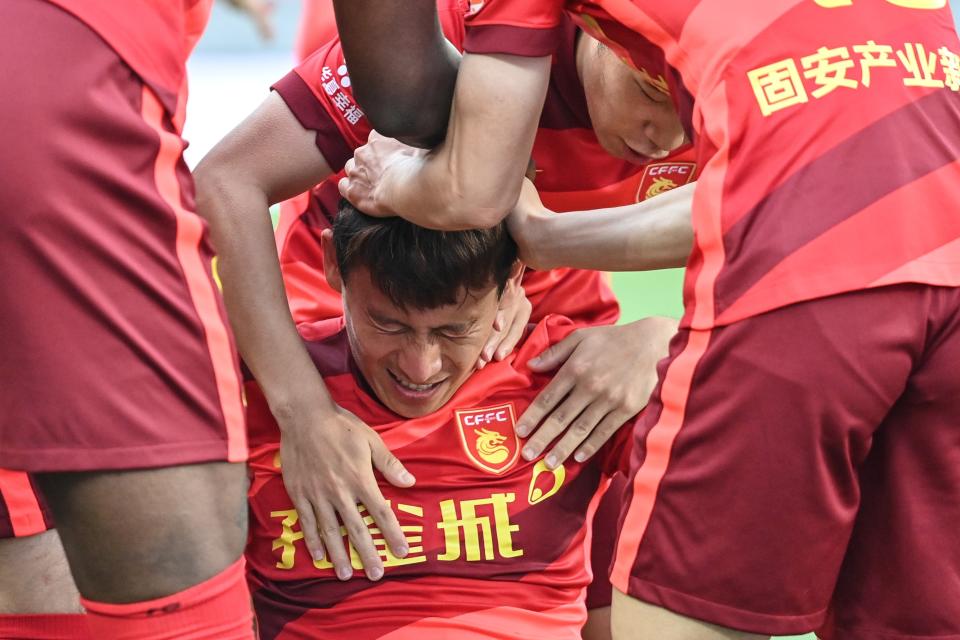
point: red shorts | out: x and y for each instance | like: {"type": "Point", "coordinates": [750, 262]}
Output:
{"type": "Point", "coordinates": [23, 511]}
{"type": "Point", "coordinates": [116, 353]}
{"type": "Point", "coordinates": [802, 471]}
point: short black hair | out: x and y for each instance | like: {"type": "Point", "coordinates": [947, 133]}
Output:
{"type": "Point", "coordinates": [422, 268]}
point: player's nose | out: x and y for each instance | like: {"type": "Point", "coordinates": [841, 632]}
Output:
{"type": "Point", "coordinates": [421, 363]}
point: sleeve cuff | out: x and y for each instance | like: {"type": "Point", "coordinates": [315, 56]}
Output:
{"type": "Point", "coordinates": [311, 114]}
{"type": "Point", "coordinates": [512, 40]}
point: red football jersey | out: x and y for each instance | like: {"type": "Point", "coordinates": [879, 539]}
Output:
{"type": "Point", "coordinates": [826, 129]}
{"type": "Point", "coordinates": [499, 547]}
{"type": "Point", "coordinates": [154, 38]}
{"type": "Point", "coordinates": [573, 173]}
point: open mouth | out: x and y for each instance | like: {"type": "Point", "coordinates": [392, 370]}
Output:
{"type": "Point", "coordinates": [414, 390]}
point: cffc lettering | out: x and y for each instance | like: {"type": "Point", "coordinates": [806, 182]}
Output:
{"type": "Point", "coordinates": [667, 169]}
{"type": "Point", "coordinates": [477, 419]}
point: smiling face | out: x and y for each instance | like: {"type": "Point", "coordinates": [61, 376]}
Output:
{"type": "Point", "coordinates": [419, 305]}
{"type": "Point", "coordinates": [415, 359]}
{"type": "Point", "coordinates": [632, 119]}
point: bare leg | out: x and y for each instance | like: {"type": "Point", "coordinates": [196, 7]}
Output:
{"type": "Point", "coordinates": [138, 535]}
{"type": "Point", "coordinates": [636, 620]}
{"type": "Point", "coordinates": [50, 588]}
{"type": "Point", "coordinates": [598, 625]}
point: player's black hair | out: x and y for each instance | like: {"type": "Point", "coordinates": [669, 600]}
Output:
{"type": "Point", "coordinates": [421, 268]}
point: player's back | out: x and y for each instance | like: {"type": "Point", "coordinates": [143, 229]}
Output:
{"type": "Point", "coordinates": [498, 544]}
{"type": "Point", "coordinates": [829, 136]}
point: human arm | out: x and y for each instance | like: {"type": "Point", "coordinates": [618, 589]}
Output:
{"type": "Point", "coordinates": [605, 377]}
{"type": "Point", "coordinates": [405, 96]}
{"type": "Point", "coordinates": [653, 234]}
{"type": "Point", "coordinates": [326, 451]}
{"type": "Point", "coordinates": [473, 179]}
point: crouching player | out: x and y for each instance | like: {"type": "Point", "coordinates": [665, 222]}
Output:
{"type": "Point", "coordinates": [497, 546]}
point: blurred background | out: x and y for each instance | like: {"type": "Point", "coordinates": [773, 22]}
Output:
{"type": "Point", "coordinates": [231, 72]}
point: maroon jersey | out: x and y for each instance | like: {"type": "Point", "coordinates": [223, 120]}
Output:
{"type": "Point", "coordinates": [499, 546]}
{"type": "Point", "coordinates": [827, 135]}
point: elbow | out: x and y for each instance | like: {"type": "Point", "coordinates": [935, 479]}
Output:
{"type": "Point", "coordinates": [408, 117]}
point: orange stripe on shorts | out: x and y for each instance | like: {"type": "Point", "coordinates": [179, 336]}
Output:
{"type": "Point", "coordinates": [26, 517]}
{"type": "Point", "coordinates": [646, 482]}
{"type": "Point", "coordinates": [189, 234]}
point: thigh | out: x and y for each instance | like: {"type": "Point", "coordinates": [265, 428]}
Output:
{"type": "Point", "coordinates": [29, 546]}
{"type": "Point", "coordinates": [745, 489]}
{"type": "Point", "coordinates": [901, 575]}
{"type": "Point", "coordinates": [132, 536]}
{"type": "Point", "coordinates": [116, 350]}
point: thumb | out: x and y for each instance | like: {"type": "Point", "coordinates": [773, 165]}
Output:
{"type": "Point", "coordinates": [554, 356]}
{"type": "Point", "coordinates": [388, 464]}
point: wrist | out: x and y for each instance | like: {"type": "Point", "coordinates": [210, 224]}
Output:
{"type": "Point", "coordinates": [540, 240]}
{"type": "Point", "coordinates": [293, 402]}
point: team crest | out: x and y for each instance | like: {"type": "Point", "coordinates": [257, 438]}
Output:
{"type": "Point", "coordinates": [663, 176]}
{"type": "Point", "coordinates": [488, 437]}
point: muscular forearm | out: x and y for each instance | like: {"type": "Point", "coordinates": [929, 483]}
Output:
{"type": "Point", "coordinates": [254, 295]}
{"type": "Point", "coordinates": [473, 179]}
{"type": "Point", "coordinates": [654, 234]}
{"type": "Point", "coordinates": [402, 68]}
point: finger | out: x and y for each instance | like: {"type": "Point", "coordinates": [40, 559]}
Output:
{"type": "Point", "coordinates": [333, 540]}
{"type": "Point", "coordinates": [308, 525]}
{"type": "Point", "coordinates": [360, 538]}
{"type": "Point", "coordinates": [388, 464]}
{"type": "Point", "coordinates": [486, 354]}
{"type": "Point", "coordinates": [604, 431]}
{"type": "Point", "coordinates": [350, 167]}
{"type": "Point", "coordinates": [578, 432]}
{"type": "Point", "coordinates": [510, 339]}
{"type": "Point", "coordinates": [556, 355]}
{"type": "Point", "coordinates": [556, 423]}
{"type": "Point", "coordinates": [386, 521]}
{"type": "Point", "coordinates": [499, 321]}
{"type": "Point", "coordinates": [545, 402]}
{"type": "Point", "coordinates": [344, 186]}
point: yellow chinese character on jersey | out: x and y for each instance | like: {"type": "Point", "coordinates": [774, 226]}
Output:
{"type": "Point", "coordinates": [777, 86]}
{"type": "Point", "coordinates": [921, 66]}
{"type": "Point", "coordinates": [415, 541]}
{"type": "Point", "coordinates": [951, 68]}
{"type": "Point", "coordinates": [287, 537]}
{"type": "Point", "coordinates": [828, 69]}
{"type": "Point", "coordinates": [873, 55]}
{"type": "Point", "coordinates": [478, 531]}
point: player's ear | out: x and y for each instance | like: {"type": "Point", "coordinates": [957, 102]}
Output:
{"type": "Point", "coordinates": [330, 267]}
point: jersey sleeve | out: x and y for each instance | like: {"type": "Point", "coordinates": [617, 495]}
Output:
{"type": "Point", "coordinates": [530, 28]}
{"type": "Point", "coordinates": [319, 95]}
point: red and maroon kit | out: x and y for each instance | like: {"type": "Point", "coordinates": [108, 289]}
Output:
{"type": "Point", "coordinates": [499, 546]}
{"type": "Point", "coordinates": [573, 172]}
{"type": "Point", "coordinates": [826, 138]}
{"type": "Point", "coordinates": [117, 354]}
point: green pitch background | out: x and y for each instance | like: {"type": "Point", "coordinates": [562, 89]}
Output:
{"type": "Point", "coordinates": [656, 293]}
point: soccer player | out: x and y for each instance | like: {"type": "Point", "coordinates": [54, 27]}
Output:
{"type": "Point", "coordinates": [305, 132]}
{"type": "Point", "coordinates": [825, 234]}
{"type": "Point", "coordinates": [498, 546]}
{"type": "Point", "coordinates": [120, 385]}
